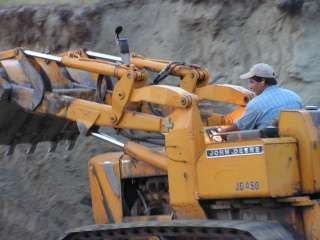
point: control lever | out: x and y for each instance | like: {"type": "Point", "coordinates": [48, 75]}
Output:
{"type": "Point", "coordinates": [123, 44]}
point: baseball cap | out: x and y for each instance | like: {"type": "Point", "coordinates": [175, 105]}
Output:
{"type": "Point", "coordinates": [259, 70]}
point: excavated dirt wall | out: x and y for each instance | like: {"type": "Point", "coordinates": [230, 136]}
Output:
{"type": "Point", "coordinates": [44, 194]}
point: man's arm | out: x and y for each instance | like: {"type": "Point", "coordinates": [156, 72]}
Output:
{"type": "Point", "coordinates": [246, 122]}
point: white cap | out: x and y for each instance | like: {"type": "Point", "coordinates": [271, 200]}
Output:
{"type": "Point", "coordinates": [259, 70]}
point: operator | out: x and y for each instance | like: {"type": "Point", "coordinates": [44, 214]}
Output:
{"type": "Point", "coordinates": [263, 110]}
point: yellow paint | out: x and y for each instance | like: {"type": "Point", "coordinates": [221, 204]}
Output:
{"type": "Point", "coordinates": [103, 196]}
{"type": "Point", "coordinates": [298, 124]}
{"type": "Point", "coordinates": [273, 173]}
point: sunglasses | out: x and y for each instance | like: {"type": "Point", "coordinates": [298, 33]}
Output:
{"type": "Point", "coordinates": [255, 79]}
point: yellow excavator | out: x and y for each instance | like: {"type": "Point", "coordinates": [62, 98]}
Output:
{"type": "Point", "coordinates": [246, 185]}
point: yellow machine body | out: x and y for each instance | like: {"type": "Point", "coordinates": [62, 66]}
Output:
{"type": "Point", "coordinates": [236, 175]}
{"type": "Point", "coordinates": [256, 168]}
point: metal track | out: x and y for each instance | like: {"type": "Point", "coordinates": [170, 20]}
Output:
{"type": "Point", "coordinates": [183, 229]}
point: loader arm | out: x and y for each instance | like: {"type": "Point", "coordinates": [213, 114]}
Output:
{"type": "Point", "coordinates": [192, 76]}
{"type": "Point", "coordinates": [193, 79]}
{"type": "Point", "coordinates": [88, 114]}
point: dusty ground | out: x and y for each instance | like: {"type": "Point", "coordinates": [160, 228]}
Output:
{"type": "Point", "coordinates": [44, 194]}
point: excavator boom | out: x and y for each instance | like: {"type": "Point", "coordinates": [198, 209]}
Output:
{"type": "Point", "coordinates": [193, 79]}
{"type": "Point", "coordinates": [26, 76]}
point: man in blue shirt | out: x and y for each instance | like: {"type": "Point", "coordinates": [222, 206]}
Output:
{"type": "Point", "coordinates": [270, 100]}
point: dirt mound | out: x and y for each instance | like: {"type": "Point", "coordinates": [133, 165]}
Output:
{"type": "Point", "coordinates": [225, 36]}
{"type": "Point", "coordinates": [44, 194]}
{"type": "Point", "coordinates": [51, 28]}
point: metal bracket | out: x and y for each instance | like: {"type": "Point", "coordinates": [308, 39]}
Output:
{"type": "Point", "coordinates": [167, 125]}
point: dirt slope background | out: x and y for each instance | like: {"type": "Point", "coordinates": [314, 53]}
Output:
{"type": "Point", "coordinates": [44, 194]}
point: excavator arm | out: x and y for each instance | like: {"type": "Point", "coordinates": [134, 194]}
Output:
{"type": "Point", "coordinates": [194, 79]}
{"type": "Point", "coordinates": [79, 73]}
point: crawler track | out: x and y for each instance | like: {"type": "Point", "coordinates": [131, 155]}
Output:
{"type": "Point", "coordinates": [189, 229]}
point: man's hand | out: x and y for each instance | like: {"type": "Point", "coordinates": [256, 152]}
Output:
{"type": "Point", "coordinates": [213, 134]}
{"type": "Point", "coordinates": [232, 128]}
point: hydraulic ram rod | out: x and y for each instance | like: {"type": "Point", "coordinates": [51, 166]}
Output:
{"type": "Point", "coordinates": [137, 151]}
{"type": "Point", "coordinates": [108, 69]}
{"type": "Point", "coordinates": [42, 55]}
{"type": "Point", "coordinates": [104, 56]}
{"type": "Point", "coordinates": [108, 139]}
{"type": "Point", "coordinates": [59, 59]}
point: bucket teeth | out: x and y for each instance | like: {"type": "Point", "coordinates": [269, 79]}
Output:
{"type": "Point", "coordinates": [20, 127]}
{"type": "Point", "coordinates": [32, 148]}
{"type": "Point", "coordinates": [70, 144]}
{"type": "Point", "coordinates": [52, 147]}
{"type": "Point", "coordinates": [10, 150]}
{"type": "Point", "coordinates": [26, 84]}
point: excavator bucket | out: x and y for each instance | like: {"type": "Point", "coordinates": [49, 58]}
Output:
{"type": "Point", "coordinates": [24, 80]}
{"type": "Point", "coordinates": [18, 126]}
